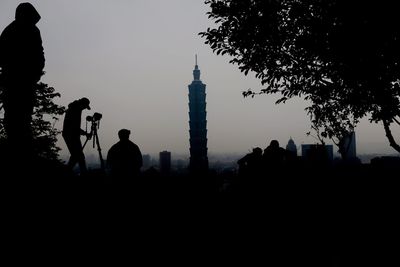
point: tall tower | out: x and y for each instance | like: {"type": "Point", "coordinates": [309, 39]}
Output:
{"type": "Point", "coordinates": [198, 123]}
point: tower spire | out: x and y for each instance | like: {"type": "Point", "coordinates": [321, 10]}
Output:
{"type": "Point", "coordinates": [196, 71]}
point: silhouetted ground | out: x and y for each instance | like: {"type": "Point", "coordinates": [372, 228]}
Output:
{"type": "Point", "coordinates": [312, 217]}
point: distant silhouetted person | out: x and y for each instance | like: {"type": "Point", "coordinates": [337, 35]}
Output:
{"type": "Point", "coordinates": [124, 158]}
{"type": "Point", "coordinates": [251, 163]}
{"type": "Point", "coordinates": [274, 156]}
{"type": "Point", "coordinates": [250, 167]}
{"type": "Point", "coordinates": [72, 133]}
{"type": "Point", "coordinates": [22, 62]}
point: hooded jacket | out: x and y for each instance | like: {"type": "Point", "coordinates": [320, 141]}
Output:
{"type": "Point", "coordinates": [21, 50]}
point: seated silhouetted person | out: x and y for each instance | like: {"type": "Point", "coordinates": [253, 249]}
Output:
{"type": "Point", "coordinates": [124, 158]}
{"type": "Point", "coordinates": [21, 62]}
{"type": "Point", "coordinates": [251, 163]}
{"type": "Point", "coordinates": [72, 133]}
{"type": "Point", "coordinates": [274, 157]}
{"type": "Point", "coordinates": [250, 169]}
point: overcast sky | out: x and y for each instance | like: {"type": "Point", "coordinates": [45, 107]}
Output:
{"type": "Point", "coordinates": [134, 59]}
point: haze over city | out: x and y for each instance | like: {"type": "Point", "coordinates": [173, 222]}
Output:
{"type": "Point", "coordinates": [134, 61]}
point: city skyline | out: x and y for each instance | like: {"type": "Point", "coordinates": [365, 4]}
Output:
{"type": "Point", "coordinates": [133, 59]}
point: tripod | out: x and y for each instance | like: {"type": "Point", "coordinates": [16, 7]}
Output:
{"type": "Point", "coordinates": [96, 142]}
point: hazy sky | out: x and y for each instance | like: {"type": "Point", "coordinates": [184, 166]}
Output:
{"type": "Point", "coordinates": [134, 60]}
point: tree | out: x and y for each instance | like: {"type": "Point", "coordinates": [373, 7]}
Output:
{"type": "Point", "coordinates": [340, 55]}
{"type": "Point", "coordinates": [45, 115]}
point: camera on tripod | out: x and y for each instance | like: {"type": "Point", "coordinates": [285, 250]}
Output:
{"type": "Point", "coordinates": [95, 124]}
{"type": "Point", "coordinates": [95, 118]}
{"type": "Point", "coordinates": [95, 121]}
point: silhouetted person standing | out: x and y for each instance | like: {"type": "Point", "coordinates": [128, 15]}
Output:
{"type": "Point", "coordinates": [72, 132]}
{"type": "Point", "coordinates": [274, 156]}
{"type": "Point", "coordinates": [124, 158]}
{"type": "Point", "coordinates": [22, 62]}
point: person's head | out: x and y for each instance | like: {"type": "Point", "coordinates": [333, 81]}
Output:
{"type": "Point", "coordinates": [26, 14]}
{"type": "Point", "coordinates": [274, 144]}
{"type": "Point", "coordinates": [123, 134]}
{"type": "Point", "coordinates": [257, 151]}
{"type": "Point", "coordinates": [84, 103]}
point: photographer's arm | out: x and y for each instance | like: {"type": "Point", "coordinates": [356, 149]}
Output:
{"type": "Point", "coordinates": [88, 135]}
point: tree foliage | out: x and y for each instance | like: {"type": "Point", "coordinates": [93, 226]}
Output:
{"type": "Point", "coordinates": [343, 56]}
{"type": "Point", "coordinates": [45, 115]}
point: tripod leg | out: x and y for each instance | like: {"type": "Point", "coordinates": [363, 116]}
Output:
{"type": "Point", "coordinates": [100, 155]}
{"type": "Point", "coordinates": [87, 139]}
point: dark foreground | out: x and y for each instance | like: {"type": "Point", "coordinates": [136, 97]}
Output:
{"type": "Point", "coordinates": [312, 217]}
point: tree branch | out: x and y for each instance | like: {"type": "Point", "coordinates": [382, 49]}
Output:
{"type": "Point", "coordinates": [396, 120]}
{"type": "Point", "coordinates": [390, 137]}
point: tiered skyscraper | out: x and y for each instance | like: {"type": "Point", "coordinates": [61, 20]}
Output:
{"type": "Point", "coordinates": [198, 123]}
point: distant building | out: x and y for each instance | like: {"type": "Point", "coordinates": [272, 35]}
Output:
{"type": "Point", "coordinates": [317, 152]}
{"type": "Point", "coordinates": [350, 146]}
{"type": "Point", "coordinates": [179, 164]}
{"type": "Point", "coordinates": [291, 146]}
{"type": "Point", "coordinates": [198, 123]}
{"type": "Point", "coordinates": [165, 162]}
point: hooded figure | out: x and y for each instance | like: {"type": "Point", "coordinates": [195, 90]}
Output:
{"type": "Point", "coordinates": [21, 62]}
{"type": "Point", "coordinates": [21, 50]}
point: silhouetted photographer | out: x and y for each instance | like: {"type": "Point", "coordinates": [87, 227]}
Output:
{"type": "Point", "coordinates": [22, 62]}
{"type": "Point", "coordinates": [72, 133]}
